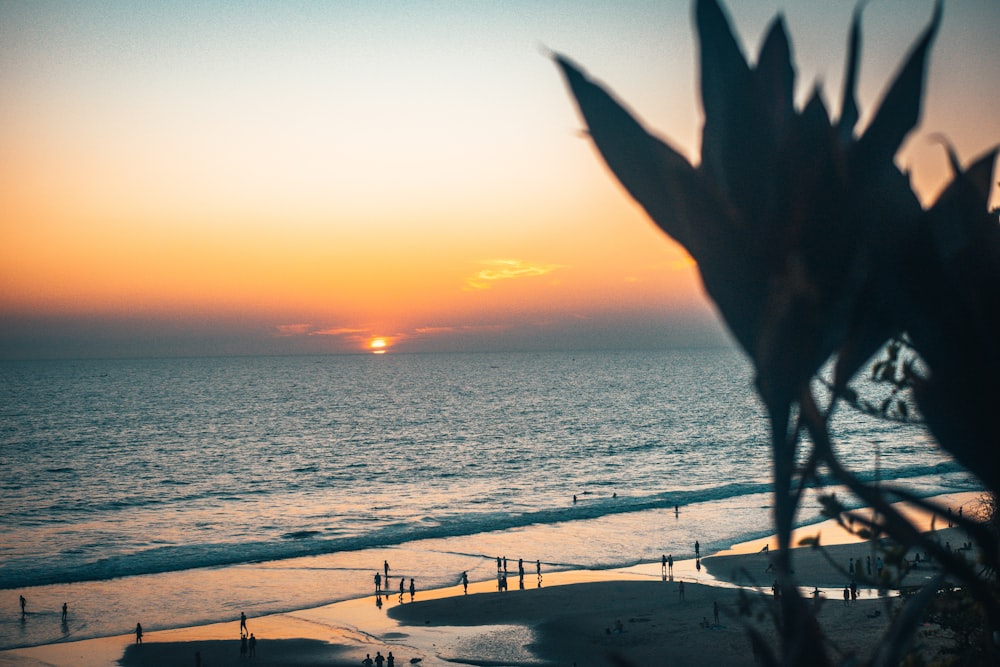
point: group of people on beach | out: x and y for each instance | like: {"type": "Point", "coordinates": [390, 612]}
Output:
{"type": "Point", "coordinates": [381, 590]}
{"type": "Point", "coordinates": [502, 573]}
{"type": "Point", "coordinates": [379, 660]}
{"type": "Point", "coordinates": [24, 609]}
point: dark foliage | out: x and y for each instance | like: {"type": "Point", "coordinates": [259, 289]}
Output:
{"type": "Point", "coordinates": [815, 248]}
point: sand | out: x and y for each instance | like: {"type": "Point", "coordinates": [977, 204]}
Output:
{"type": "Point", "coordinates": [627, 616]}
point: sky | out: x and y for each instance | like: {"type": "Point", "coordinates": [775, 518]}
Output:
{"type": "Point", "coordinates": [213, 178]}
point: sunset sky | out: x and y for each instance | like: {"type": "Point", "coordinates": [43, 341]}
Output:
{"type": "Point", "coordinates": [236, 178]}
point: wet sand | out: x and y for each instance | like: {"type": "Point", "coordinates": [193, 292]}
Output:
{"type": "Point", "coordinates": [579, 617]}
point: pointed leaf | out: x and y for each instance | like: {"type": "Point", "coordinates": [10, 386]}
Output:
{"type": "Point", "coordinates": [849, 105]}
{"type": "Point", "coordinates": [900, 109]}
{"type": "Point", "coordinates": [656, 175]}
{"type": "Point", "coordinates": [776, 75]}
{"type": "Point", "coordinates": [725, 92]}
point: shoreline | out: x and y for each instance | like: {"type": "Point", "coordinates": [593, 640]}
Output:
{"type": "Point", "coordinates": [559, 620]}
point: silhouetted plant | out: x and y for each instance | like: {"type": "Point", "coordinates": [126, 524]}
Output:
{"type": "Point", "coordinates": [815, 249]}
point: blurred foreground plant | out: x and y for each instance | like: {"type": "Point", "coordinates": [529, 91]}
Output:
{"type": "Point", "coordinates": [815, 248]}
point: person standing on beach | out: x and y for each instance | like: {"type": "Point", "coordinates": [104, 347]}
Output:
{"type": "Point", "coordinates": [385, 566]}
{"type": "Point", "coordinates": [243, 623]}
{"type": "Point", "coordinates": [253, 645]}
{"type": "Point", "coordinates": [243, 645]}
{"type": "Point", "coordinates": [367, 662]}
{"type": "Point", "coordinates": [378, 582]}
{"type": "Point", "coordinates": [465, 586]}
{"type": "Point", "coordinates": [65, 612]}
{"type": "Point", "coordinates": [413, 590]}
{"type": "Point", "coordinates": [390, 660]}
{"type": "Point", "coordinates": [379, 660]}
{"type": "Point", "coordinates": [697, 549]}
{"type": "Point", "coordinates": [402, 585]}
{"type": "Point", "coordinates": [138, 633]}
{"type": "Point", "coordinates": [520, 572]}
{"type": "Point", "coordinates": [23, 603]}
{"type": "Point", "coordinates": [670, 565]}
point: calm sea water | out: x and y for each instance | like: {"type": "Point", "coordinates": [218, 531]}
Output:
{"type": "Point", "coordinates": [183, 491]}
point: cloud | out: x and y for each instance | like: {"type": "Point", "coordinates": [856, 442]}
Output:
{"type": "Point", "coordinates": [506, 269]}
{"type": "Point", "coordinates": [294, 329]}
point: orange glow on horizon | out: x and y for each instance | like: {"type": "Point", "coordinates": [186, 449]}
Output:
{"type": "Point", "coordinates": [378, 345]}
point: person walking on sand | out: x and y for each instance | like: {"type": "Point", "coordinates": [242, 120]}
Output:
{"type": "Point", "coordinates": [243, 623]}
{"type": "Point", "coordinates": [413, 590]}
{"type": "Point", "coordinates": [65, 612]}
{"type": "Point", "coordinates": [465, 585]}
{"type": "Point", "coordinates": [138, 633]}
{"type": "Point", "coordinates": [402, 586]}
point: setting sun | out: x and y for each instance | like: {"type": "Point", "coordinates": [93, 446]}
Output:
{"type": "Point", "coordinates": [378, 346]}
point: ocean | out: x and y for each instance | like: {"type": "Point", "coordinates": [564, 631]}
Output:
{"type": "Point", "coordinates": [183, 491]}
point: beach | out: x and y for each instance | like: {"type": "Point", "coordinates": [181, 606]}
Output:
{"type": "Point", "coordinates": [630, 615]}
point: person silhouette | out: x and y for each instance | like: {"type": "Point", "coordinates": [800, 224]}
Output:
{"type": "Point", "coordinates": [465, 584]}
{"type": "Point", "coordinates": [697, 549]}
{"type": "Point", "coordinates": [390, 660]}
{"type": "Point", "coordinates": [243, 645]}
{"type": "Point", "coordinates": [402, 586]}
{"type": "Point", "coordinates": [379, 659]}
{"type": "Point", "coordinates": [378, 582]}
{"type": "Point", "coordinates": [680, 591]}
{"type": "Point", "coordinates": [385, 566]}
{"type": "Point", "coordinates": [413, 590]}
{"type": "Point", "coordinates": [138, 633]}
{"type": "Point", "coordinates": [670, 565]}
{"type": "Point", "coordinates": [368, 662]}
{"type": "Point", "coordinates": [243, 623]}
{"type": "Point", "coordinates": [23, 603]}
{"type": "Point", "coordinates": [253, 645]}
{"type": "Point", "coordinates": [65, 611]}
